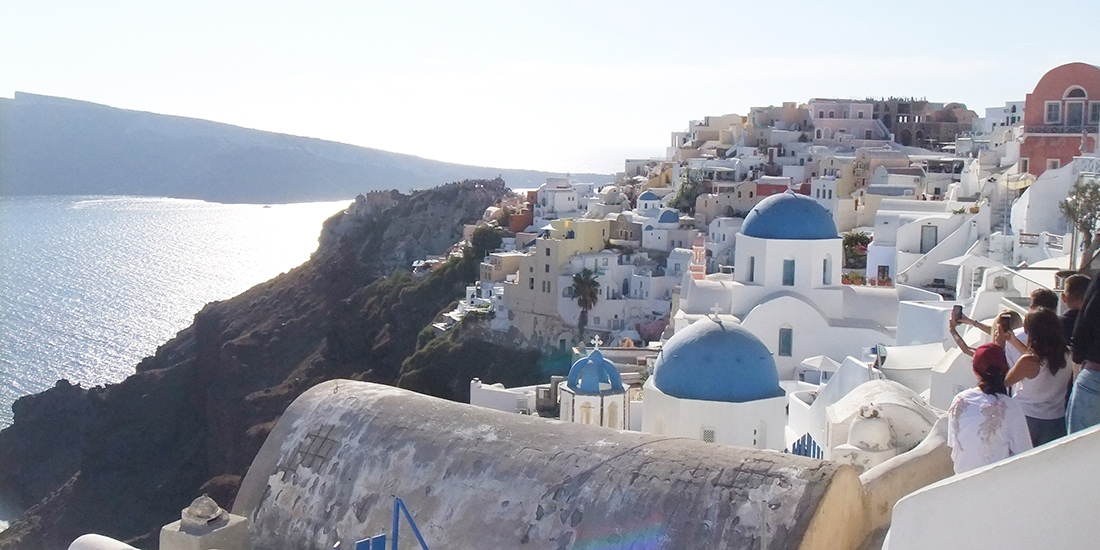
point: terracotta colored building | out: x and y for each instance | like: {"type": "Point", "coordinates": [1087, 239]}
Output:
{"type": "Point", "coordinates": [1063, 110]}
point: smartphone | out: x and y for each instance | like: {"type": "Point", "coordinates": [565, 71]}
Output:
{"type": "Point", "coordinates": [956, 312]}
{"type": "Point", "coordinates": [1005, 319]}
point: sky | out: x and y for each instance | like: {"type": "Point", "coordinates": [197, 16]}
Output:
{"type": "Point", "coordinates": [565, 86]}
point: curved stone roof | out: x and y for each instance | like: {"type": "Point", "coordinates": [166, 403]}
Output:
{"type": "Point", "coordinates": [338, 456]}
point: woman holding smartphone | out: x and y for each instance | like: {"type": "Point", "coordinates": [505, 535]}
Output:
{"type": "Point", "coordinates": [1041, 377]}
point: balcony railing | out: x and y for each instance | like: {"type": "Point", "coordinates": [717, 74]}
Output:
{"type": "Point", "coordinates": [1060, 129]}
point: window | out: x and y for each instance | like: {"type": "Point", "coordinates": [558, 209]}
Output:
{"type": "Point", "coordinates": [860, 115]}
{"type": "Point", "coordinates": [788, 272]}
{"type": "Point", "coordinates": [752, 268]}
{"type": "Point", "coordinates": [830, 193]}
{"type": "Point", "coordinates": [786, 341]}
{"type": "Point", "coordinates": [826, 273]}
{"type": "Point", "coordinates": [586, 413]}
{"type": "Point", "coordinates": [1094, 112]}
{"type": "Point", "coordinates": [1075, 92]}
{"type": "Point", "coordinates": [708, 435]}
{"type": "Point", "coordinates": [1025, 164]}
{"type": "Point", "coordinates": [820, 114]}
{"type": "Point", "coordinates": [547, 251]}
{"type": "Point", "coordinates": [1053, 164]}
{"type": "Point", "coordinates": [817, 133]}
{"type": "Point", "coordinates": [832, 114]}
{"type": "Point", "coordinates": [867, 134]}
{"type": "Point", "coordinates": [595, 321]}
{"type": "Point", "coordinates": [1053, 112]}
{"type": "Point", "coordinates": [605, 262]}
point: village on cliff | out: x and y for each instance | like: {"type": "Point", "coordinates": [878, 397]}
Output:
{"type": "Point", "coordinates": [776, 288]}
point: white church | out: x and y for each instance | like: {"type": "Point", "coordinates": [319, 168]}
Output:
{"type": "Point", "coordinates": [786, 288]}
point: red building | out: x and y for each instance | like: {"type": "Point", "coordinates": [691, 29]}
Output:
{"type": "Point", "coordinates": [1064, 107]}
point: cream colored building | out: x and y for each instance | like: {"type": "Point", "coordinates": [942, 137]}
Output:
{"type": "Point", "coordinates": [532, 299]}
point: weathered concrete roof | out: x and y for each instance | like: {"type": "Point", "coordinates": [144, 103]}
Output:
{"type": "Point", "coordinates": [476, 478]}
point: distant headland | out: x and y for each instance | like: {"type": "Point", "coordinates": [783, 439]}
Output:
{"type": "Point", "coordinates": [57, 146]}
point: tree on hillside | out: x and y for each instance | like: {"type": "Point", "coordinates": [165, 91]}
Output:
{"type": "Point", "coordinates": [1082, 209]}
{"type": "Point", "coordinates": [586, 291]}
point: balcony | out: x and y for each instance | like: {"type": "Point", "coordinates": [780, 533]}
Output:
{"type": "Point", "coordinates": [1060, 129]}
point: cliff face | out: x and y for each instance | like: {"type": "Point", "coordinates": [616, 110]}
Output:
{"type": "Point", "coordinates": [122, 460]}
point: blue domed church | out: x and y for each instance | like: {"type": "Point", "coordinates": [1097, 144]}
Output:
{"type": "Point", "coordinates": [594, 393]}
{"type": "Point", "coordinates": [717, 382]}
{"type": "Point", "coordinates": [786, 288]}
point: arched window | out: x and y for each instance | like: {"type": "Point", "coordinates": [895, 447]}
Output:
{"type": "Point", "coordinates": [1075, 92]}
{"type": "Point", "coordinates": [817, 134]}
{"type": "Point", "coordinates": [586, 413]}
{"type": "Point", "coordinates": [614, 421]}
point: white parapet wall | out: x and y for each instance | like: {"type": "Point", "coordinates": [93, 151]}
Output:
{"type": "Point", "coordinates": [1044, 498]}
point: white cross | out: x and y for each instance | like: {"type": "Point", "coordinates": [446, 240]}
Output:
{"type": "Point", "coordinates": [715, 310]}
{"type": "Point", "coordinates": [596, 341]}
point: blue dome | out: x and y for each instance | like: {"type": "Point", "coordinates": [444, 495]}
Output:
{"type": "Point", "coordinates": [713, 361]}
{"type": "Point", "coordinates": [669, 216]}
{"type": "Point", "coordinates": [789, 216]}
{"type": "Point", "coordinates": [648, 196]}
{"type": "Point", "coordinates": [586, 375]}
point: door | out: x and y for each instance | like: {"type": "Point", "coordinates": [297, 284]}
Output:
{"type": "Point", "coordinates": [1075, 113]}
{"type": "Point", "coordinates": [928, 236]}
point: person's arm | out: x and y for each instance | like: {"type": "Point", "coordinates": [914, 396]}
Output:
{"type": "Point", "coordinates": [1026, 367]}
{"type": "Point", "coordinates": [1009, 338]}
{"type": "Point", "coordinates": [1087, 328]}
{"type": "Point", "coordinates": [952, 326]}
{"type": "Point", "coordinates": [964, 320]}
{"type": "Point", "coordinates": [1019, 439]}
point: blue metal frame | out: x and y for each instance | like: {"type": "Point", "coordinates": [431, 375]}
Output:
{"type": "Point", "coordinates": [398, 508]}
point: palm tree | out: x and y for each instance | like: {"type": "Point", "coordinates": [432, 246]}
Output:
{"type": "Point", "coordinates": [586, 291]}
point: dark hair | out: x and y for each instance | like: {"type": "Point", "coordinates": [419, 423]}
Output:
{"type": "Point", "coordinates": [1044, 297]}
{"type": "Point", "coordinates": [1045, 338]}
{"type": "Point", "coordinates": [991, 366]}
{"type": "Point", "coordinates": [991, 382]}
{"type": "Point", "coordinates": [1075, 286]}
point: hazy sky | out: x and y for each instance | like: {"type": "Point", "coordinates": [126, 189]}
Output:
{"type": "Point", "coordinates": [558, 85]}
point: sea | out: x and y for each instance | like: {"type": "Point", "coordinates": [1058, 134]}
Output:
{"type": "Point", "coordinates": [91, 285]}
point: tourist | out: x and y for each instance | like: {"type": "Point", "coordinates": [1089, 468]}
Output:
{"type": "Point", "coordinates": [952, 325]}
{"type": "Point", "coordinates": [985, 424]}
{"type": "Point", "coordinates": [1073, 295]}
{"type": "Point", "coordinates": [1040, 377]}
{"type": "Point", "coordinates": [1040, 297]}
{"type": "Point", "coordinates": [1084, 400]}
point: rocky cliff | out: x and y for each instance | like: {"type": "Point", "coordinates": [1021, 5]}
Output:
{"type": "Point", "coordinates": [122, 460]}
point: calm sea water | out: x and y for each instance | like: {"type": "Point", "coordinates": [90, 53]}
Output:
{"type": "Point", "coordinates": [91, 285]}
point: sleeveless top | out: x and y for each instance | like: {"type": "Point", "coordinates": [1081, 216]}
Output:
{"type": "Point", "coordinates": [1044, 397]}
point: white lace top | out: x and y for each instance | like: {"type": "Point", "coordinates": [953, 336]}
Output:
{"type": "Point", "coordinates": [984, 428]}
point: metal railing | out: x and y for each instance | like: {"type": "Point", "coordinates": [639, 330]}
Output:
{"type": "Point", "coordinates": [1060, 129]}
